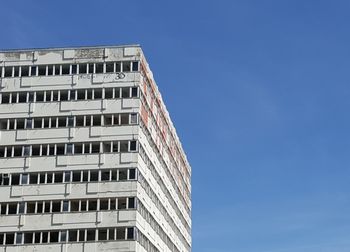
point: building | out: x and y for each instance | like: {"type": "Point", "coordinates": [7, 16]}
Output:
{"type": "Point", "coordinates": [89, 158]}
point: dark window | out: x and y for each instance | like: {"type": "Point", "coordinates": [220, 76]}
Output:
{"type": "Point", "coordinates": [56, 206]}
{"type": "Point", "coordinates": [126, 66]}
{"type": "Point", "coordinates": [50, 70]}
{"type": "Point", "coordinates": [92, 205]}
{"type": "Point", "coordinates": [105, 175]}
{"type": "Point", "coordinates": [31, 208]}
{"type": "Point", "coordinates": [131, 203]}
{"type": "Point", "coordinates": [118, 67]}
{"type": "Point", "coordinates": [72, 235]}
{"type": "Point", "coordinates": [95, 148]}
{"type": "Point", "coordinates": [74, 69]}
{"type": "Point", "coordinates": [125, 92]}
{"type": "Point", "coordinates": [64, 95]}
{"type": "Point", "coordinates": [108, 93]}
{"type": "Point", "coordinates": [99, 68]}
{"type": "Point", "coordinates": [81, 235]}
{"type": "Point", "coordinates": [123, 174]}
{"type": "Point", "coordinates": [42, 70]}
{"type": "Point", "coordinates": [8, 71]}
{"type": "Point", "coordinates": [90, 235]}
{"type": "Point", "coordinates": [111, 234]}
{"type": "Point", "coordinates": [57, 70]}
{"type": "Point", "coordinates": [120, 233]}
{"type": "Point", "coordinates": [76, 176]}
{"type": "Point", "coordinates": [98, 94]}
{"type": "Point", "coordinates": [91, 68]}
{"type": "Point", "coordinates": [74, 205]}
{"type": "Point", "coordinates": [124, 119]}
{"type": "Point", "coordinates": [82, 69]}
{"type": "Point", "coordinates": [33, 178]}
{"type": "Point", "coordinates": [37, 237]}
{"type": "Point", "coordinates": [22, 97]}
{"type": "Point", "coordinates": [130, 233]}
{"type": "Point", "coordinates": [58, 177]}
{"type": "Point", "coordinates": [10, 238]}
{"type": "Point", "coordinates": [39, 96]}
{"type": "Point", "coordinates": [37, 123]}
{"type": "Point", "coordinates": [62, 122]}
{"type": "Point", "coordinates": [109, 67]}
{"type": "Point", "coordinates": [5, 99]}
{"type": "Point", "coordinates": [81, 94]}
{"type": "Point", "coordinates": [12, 208]}
{"type": "Point", "coordinates": [65, 69]}
{"type": "Point", "coordinates": [16, 71]}
{"type": "Point", "coordinates": [122, 203]}
{"type": "Point", "coordinates": [49, 177]}
{"type": "Point", "coordinates": [135, 66]}
{"type": "Point", "coordinates": [54, 95]}
{"type": "Point", "coordinates": [54, 236]}
{"type": "Point", "coordinates": [60, 149]}
{"type": "Point", "coordinates": [102, 234]}
{"type": "Point", "coordinates": [15, 179]}
{"type": "Point", "coordinates": [45, 236]}
{"type": "Point", "coordinates": [24, 71]}
{"type": "Point", "coordinates": [103, 204]}
{"type": "Point", "coordinates": [124, 146]}
{"type": "Point", "coordinates": [31, 97]}
{"type": "Point", "coordinates": [69, 149]}
{"type": "Point", "coordinates": [28, 237]}
{"type": "Point", "coordinates": [33, 70]}
{"type": "Point", "coordinates": [134, 92]}
{"type": "Point", "coordinates": [133, 146]}
{"type": "Point", "coordinates": [93, 176]}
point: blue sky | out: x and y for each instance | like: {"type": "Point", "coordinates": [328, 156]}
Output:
{"type": "Point", "coordinates": [259, 93]}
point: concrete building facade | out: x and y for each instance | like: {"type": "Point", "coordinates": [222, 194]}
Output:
{"type": "Point", "coordinates": [89, 157]}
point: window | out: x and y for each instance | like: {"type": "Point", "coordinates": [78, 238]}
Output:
{"type": "Point", "coordinates": [123, 146]}
{"type": "Point", "coordinates": [82, 68]}
{"type": "Point", "coordinates": [103, 204]}
{"type": "Point", "coordinates": [56, 206]}
{"type": "Point", "coordinates": [126, 66]}
{"type": "Point", "coordinates": [54, 236]}
{"type": "Point", "coordinates": [109, 67]}
{"type": "Point", "coordinates": [67, 176]}
{"type": "Point", "coordinates": [122, 203]}
{"type": "Point", "coordinates": [125, 92]}
{"type": "Point", "coordinates": [133, 118]}
{"type": "Point", "coordinates": [24, 179]}
{"type": "Point", "coordinates": [131, 203]}
{"type": "Point", "coordinates": [5, 99]}
{"type": "Point", "coordinates": [42, 70]}
{"type": "Point", "coordinates": [57, 69]}
{"type": "Point", "coordinates": [31, 208]}
{"type": "Point", "coordinates": [33, 178]}
{"type": "Point", "coordinates": [69, 149]}
{"type": "Point", "coordinates": [124, 119]}
{"type": "Point", "coordinates": [29, 123]}
{"type": "Point", "coordinates": [90, 236]}
{"type": "Point", "coordinates": [65, 206]}
{"type": "Point", "coordinates": [19, 237]}
{"type": "Point", "coordinates": [63, 237]}
{"type": "Point", "coordinates": [24, 71]}
{"type": "Point", "coordinates": [99, 68]}
{"type": "Point", "coordinates": [73, 235]}
{"type": "Point", "coordinates": [130, 233]}
{"type": "Point", "coordinates": [135, 66]}
{"type": "Point", "coordinates": [123, 174]}
{"type": "Point", "coordinates": [65, 69]}
{"type": "Point", "coordinates": [102, 234]}
{"type": "Point", "coordinates": [21, 207]}
{"type": "Point", "coordinates": [33, 71]}
{"type": "Point", "coordinates": [120, 233]}
{"type": "Point", "coordinates": [133, 146]}
{"type": "Point", "coordinates": [28, 238]}
{"type": "Point", "coordinates": [74, 69]}
{"type": "Point", "coordinates": [76, 176]}
{"type": "Point", "coordinates": [134, 92]}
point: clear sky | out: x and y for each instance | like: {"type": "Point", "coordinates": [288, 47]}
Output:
{"type": "Point", "coordinates": [259, 93]}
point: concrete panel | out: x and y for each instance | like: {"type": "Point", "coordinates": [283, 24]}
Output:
{"type": "Point", "coordinates": [8, 221]}
{"type": "Point", "coordinates": [47, 81]}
